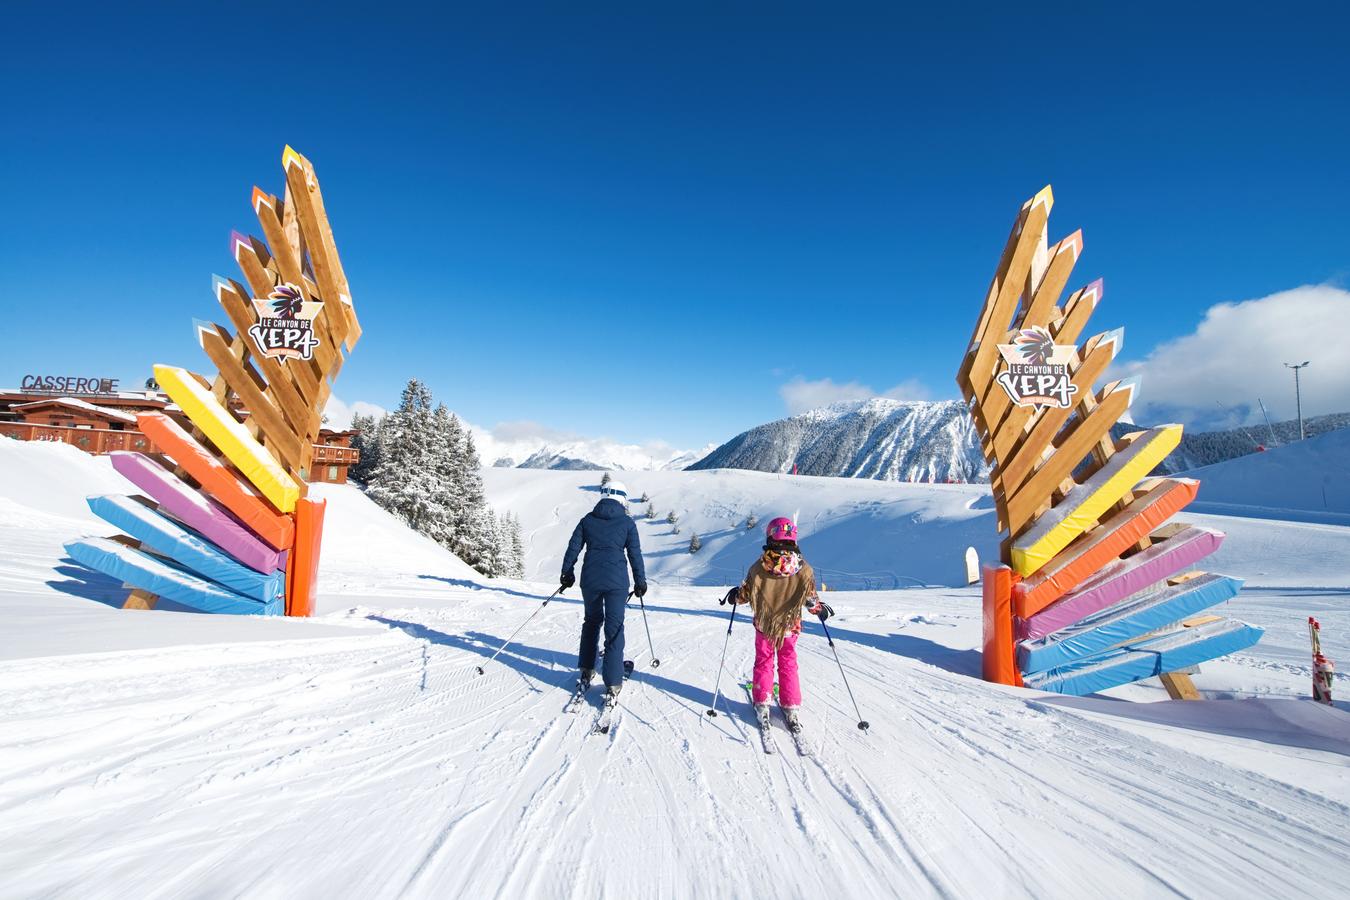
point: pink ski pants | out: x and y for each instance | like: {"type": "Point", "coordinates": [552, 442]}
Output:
{"type": "Point", "coordinates": [789, 687]}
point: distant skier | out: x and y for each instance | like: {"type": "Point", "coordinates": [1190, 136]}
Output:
{"type": "Point", "coordinates": [777, 587]}
{"type": "Point", "coordinates": [608, 534]}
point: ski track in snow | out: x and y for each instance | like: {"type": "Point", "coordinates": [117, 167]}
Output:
{"type": "Point", "coordinates": [382, 765]}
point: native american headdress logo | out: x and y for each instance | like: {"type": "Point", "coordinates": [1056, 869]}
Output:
{"type": "Point", "coordinates": [1038, 369]}
{"type": "Point", "coordinates": [285, 326]}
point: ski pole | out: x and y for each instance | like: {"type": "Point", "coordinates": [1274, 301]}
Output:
{"type": "Point", "coordinates": [656, 663]}
{"type": "Point", "coordinates": [717, 687]}
{"type": "Point", "coordinates": [522, 626]}
{"type": "Point", "coordinates": [862, 723]}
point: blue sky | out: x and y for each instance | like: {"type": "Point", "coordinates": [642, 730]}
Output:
{"type": "Point", "coordinates": [645, 223]}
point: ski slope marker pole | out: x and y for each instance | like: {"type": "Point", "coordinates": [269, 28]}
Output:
{"type": "Point", "coordinates": [656, 663]}
{"type": "Point", "coordinates": [862, 723]}
{"type": "Point", "coordinates": [717, 687]}
{"type": "Point", "coordinates": [522, 626]}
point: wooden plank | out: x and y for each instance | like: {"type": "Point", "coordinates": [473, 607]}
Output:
{"type": "Point", "coordinates": [300, 180]}
{"type": "Point", "coordinates": [273, 426]}
{"type": "Point", "coordinates": [325, 230]}
{"type": "Point", "coordinates": [982, 365]}
{"type": "Point", "coordinates": [299, 382]}
{"type": "Point", "coordinates": [1074, 446]}
{"type": "Point", "coordinates": [991, 295]}
{"type": "Point", "coordinates": [1039, 312]}
{"type": "Point", "coordinates": [1018, 463]}
{"type": "Point", "coordinates": [1179, 686]}
{"type": "Point", "coordinates": [139, 599]}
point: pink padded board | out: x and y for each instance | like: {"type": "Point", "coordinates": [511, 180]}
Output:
{"type": "Point", "coordinates": [198, 512]}
{"type": "Point", "coordinates": [1122, 578]}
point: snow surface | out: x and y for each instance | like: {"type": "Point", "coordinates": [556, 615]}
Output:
{"type": "Point", "coordinates": [358, 754]}
{"type": "Point", "coordinates": [1308, 479]}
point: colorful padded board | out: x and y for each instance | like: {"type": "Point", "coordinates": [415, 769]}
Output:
{"type": "Point", "coordinates": [303, 574]}
{"type": "Point", "coordinates": [1116, 534]}
{"type": "Point", "coordinates": [167, 538]}
{"type": "Point", "coordinates": [231, 438]}
{"type": "Point", "coordinates": [158, 577]}
{"type": "Point", "coordinates": [198, 512]}
{"type": "Point", "coordinates": [1122, 578]}
{"type": "Point", "coordinates": [1147, 658]}
{"type": "Point", "coordinates": [1085, 503]}
{"type": "Point", "coordinates": [219, 480]}
{"type": "Point", "coordinates": [1127, 620]}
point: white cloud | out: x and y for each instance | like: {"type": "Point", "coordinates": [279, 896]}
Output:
{"type": "Point", "coordinates": [338, 415]}
{"type": "Point", "coordinates": [800, 395]}
{"type": "Point", "coordinates": [1237, 354]}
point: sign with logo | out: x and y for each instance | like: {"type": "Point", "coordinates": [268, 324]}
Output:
{"type": "Point", "coordinates": [67, 384]}
{"type": "Point", "coordinates": [285, 326]}
{"type": "Point", "coordinates": [1038, 370]}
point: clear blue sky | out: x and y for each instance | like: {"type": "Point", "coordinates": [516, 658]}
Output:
{"type": "Point", "coordinates": [641, 223]}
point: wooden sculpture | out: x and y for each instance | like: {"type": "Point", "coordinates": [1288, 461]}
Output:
{"type": "Point", "coordinates": [226, 524]}
{"type": "Point", "coordinates": [1095, 588]}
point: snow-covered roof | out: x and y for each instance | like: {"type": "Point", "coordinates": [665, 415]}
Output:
{"type": "Point", "coordinates": [83, 405]}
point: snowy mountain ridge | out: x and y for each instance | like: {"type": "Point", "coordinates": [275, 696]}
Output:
{"type": "Point", "coordinates": [880, 439]}
{"type": "Point", "coordinates": [568, 452]}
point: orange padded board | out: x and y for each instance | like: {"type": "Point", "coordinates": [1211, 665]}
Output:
{"type": "Point", "coordinates": [1116, 534]}
{"type": "Point", "coordinates": [999, 660]}
{"type": "Point", "coordinates": [302, 577]}
{"type": "Point", "coordinates": [219, 480]}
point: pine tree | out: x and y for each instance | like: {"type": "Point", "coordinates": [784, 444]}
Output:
{"type": "Point", "coordinates": [694, 543]}
{"type": "Point", "coordinates": [605, 479]}
{"type": "Point", "coordinates": [645, 498]}
{"type": "Point", "coordinates": [651, 511]}
{"type": "Point", "coordinates": [366, 442]}
{"type": "Point", "coordinates": [751, 522]}
{"type": "Point", "coordinates": [672, 518]}
{"type": "Point", "coordinates": [404, 480]}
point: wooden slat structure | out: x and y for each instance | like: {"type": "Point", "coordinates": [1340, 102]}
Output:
{"type": "Point", "coordinates": [262, 463]}
{"type": "Point", "coordinates": [1054, 468]}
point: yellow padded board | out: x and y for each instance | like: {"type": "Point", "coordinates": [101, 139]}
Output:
{"type": "Point", "coordinates": [232, 439]}
{"type": "Point", "coordinates": [1085, 503]}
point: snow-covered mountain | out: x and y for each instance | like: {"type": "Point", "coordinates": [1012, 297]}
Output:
{"type": "Point", "coordinates": [887, 440]}
{"type": "Point", "coordinates": [507, 448]}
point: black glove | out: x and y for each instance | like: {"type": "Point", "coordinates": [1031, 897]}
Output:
{"type": "Point", "coordinates": [640, 589]}
{"type": "Point", "coordinates": [822, 610]}
{"type": "Point", "coordinates": [567, 580]}
{"type": "Point", "coordinates": [732, 596]}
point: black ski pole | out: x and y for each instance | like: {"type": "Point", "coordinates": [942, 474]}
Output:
{"type": "Point", "coordinates": [717, 687]}
{"type": "Point", "coordinates": [862, 723]}
{"type": "Point", "coordinates": [522, 626]}
{"type": "Point", "coordinates": [656, 663]}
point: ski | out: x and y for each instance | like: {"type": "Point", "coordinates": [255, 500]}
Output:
{"type": "Point", "coordinates": [578, 696]}
{"type": "Point", "coordinates": [794, 727]}
{"type": "Point", "coordinates": [765, 725]}
{"type": "Point", "coordinates": [605, 720]}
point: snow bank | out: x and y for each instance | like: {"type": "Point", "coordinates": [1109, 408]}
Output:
{"type": "Point", "coordinates": [1308, 476]}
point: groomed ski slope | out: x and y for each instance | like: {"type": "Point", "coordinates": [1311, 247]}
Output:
{"type": "Point", "coordinates": [359, 755]}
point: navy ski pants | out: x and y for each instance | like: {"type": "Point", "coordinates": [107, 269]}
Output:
{"type": "Point", "coordinates": [603, 608]}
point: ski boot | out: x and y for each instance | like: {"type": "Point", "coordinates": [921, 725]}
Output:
{"type": "Point", "coordinates": [794, 721]}
{"type": "Point", "coordinates": [762, 713]}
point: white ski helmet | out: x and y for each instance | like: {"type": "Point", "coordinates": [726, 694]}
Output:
{"type": "Point", "coordinates": [615, 491]}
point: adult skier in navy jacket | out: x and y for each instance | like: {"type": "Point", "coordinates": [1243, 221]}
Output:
{"type": "Point", "coordinates": [608, 534]}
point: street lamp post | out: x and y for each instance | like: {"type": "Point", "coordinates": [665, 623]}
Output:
{"type": "Point", "coordinates": [1298, 395]}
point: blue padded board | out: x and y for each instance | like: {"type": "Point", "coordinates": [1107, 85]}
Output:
{"type": "Point", "coordinates": [1147, 658]}
{"type": "Point", "coordinates": [160, 578]}
{"type": "Point", "coordinates": [1132, 617]}
{"type": "Point", "coordinates": [168, 538]}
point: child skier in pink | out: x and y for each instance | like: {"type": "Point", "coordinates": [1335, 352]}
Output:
{"type": "Point", "coordinates": [777, 586]}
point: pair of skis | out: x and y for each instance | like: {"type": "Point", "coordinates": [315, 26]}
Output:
{"type": "Point", "coordinates": [605, 720]}
{"type": "Point", "coordinates": [764, 718]}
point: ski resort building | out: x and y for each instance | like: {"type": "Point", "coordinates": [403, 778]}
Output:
{"type": "Point", "coordinates": [100, 419]}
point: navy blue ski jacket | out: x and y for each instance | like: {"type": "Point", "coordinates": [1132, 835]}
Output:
{"type": "Point", "coordinates": [607, 533]}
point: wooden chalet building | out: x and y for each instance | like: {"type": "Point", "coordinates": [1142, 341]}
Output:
{"type": "Point", "coordinates": [104, 422]}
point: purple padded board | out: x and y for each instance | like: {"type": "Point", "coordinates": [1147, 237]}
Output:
{"type": "Point", "coordinates": [200, 513]}
{"type": "Point", "coordinates": [1122, 578]}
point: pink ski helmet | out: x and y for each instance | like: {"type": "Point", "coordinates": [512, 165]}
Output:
{"type": "Point", "coordinates": [781, 529]}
